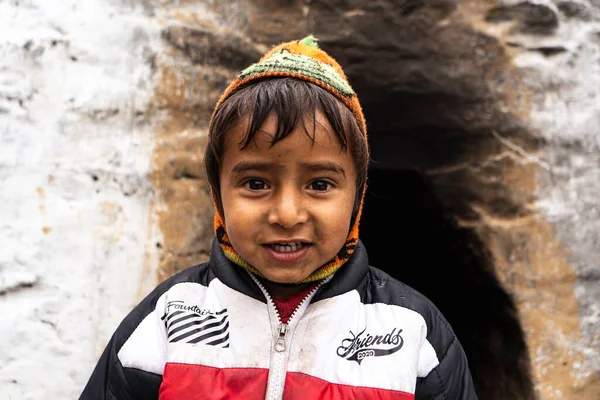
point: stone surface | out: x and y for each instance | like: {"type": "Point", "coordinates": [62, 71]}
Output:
{"type": "Point", "coordinates": [494, 102]}
{"type": "Point", "coordinates": [566, 112]}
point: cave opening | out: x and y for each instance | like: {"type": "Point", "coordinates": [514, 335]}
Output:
{"type": "Point", "coordinates": [411, 229]}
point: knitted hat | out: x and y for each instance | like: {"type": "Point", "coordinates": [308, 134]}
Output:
{"type": "Point", "coordinates": [301, 59]}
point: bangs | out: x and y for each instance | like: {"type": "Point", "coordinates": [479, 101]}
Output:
{"type": "Point", "coordinates": [293, 102]}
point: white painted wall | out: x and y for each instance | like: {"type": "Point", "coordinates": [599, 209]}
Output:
{"type": "Point", "coordinates": [75, 146]}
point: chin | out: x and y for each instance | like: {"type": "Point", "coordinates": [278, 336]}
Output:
{"type": "Point", "coordinates": [285, 277]}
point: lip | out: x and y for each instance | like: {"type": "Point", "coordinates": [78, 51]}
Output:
{"type": "Point", "coordinates": [288, 256]}
{"type": "Point", "coordinates": [286, 241]}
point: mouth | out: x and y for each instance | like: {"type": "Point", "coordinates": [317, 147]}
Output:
{"type": "Point", "coordinates": [288, 250]}
{"type": "Point", "coordinates": [289, 247]}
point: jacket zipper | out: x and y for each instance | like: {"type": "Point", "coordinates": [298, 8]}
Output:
{"type": "Point", "coordinates": [282, 334]}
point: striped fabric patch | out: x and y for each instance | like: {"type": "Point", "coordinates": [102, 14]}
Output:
{"type": "Point", "coordinates": [190, 327]}
{"type": "Point", "coordinates": [290, 63]}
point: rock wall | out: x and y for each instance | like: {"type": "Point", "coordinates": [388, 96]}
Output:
{"type": "Point", "coordinates": [554, 46]}
{"type": "Point", "coordinates": [104, 107]}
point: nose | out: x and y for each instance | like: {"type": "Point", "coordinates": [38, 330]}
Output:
{"type": "Point", "coordinates": [288, 208]}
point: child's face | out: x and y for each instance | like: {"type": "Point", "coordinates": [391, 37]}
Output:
{"type": "Point", "coordinates": [287, 207]}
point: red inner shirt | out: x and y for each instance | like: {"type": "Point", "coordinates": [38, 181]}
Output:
{"type": "Point", "coordinates": [287, 305]}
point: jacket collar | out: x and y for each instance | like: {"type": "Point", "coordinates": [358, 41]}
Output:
{"type": "Point", "coordinates": [232, 274]}
{"type": "Point", "coordinates": [347, 278]}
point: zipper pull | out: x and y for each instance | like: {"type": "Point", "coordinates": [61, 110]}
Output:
{"type": "Point", "coordinates": [280, 342]}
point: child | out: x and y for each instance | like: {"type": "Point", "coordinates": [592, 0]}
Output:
{"type": "Point", "coordinates": [287, 307]}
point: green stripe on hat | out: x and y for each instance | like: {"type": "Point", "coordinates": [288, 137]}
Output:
{"type": "Point", "coordinates": [286, 62]}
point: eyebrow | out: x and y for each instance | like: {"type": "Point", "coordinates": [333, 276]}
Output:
{"type": "Point", "coordinates": [324, 166]}
{"type": "Point", "coordinates": [245, 166]}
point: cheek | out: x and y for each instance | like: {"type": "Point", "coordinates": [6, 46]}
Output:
{"type": "Point", "coordinates": [337, 216]}
{"type": "Point", "coordinates": [245, 221]}
{"type": "Point", "coordinates": [238, 213]}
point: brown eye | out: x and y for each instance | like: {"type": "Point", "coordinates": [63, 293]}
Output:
{"type": "Point", "coordinates": [320, 185]}
{"type": "Point", "coordinates": [255, 184]}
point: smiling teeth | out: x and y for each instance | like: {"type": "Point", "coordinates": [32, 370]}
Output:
{"type": "Point", "coordinates": [287, 248]}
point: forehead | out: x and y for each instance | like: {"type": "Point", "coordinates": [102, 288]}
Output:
{"type": "Point", "coordinates": [317, 145]}
{"type": "Point", "coordinates": [309, 135]}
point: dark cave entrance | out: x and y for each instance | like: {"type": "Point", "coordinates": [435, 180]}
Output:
{"type": "Point", "coordinates": [411, 234]}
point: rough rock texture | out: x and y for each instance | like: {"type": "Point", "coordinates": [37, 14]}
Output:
{"type": "Point", "coordinates": [76, 228]}
{"type": "Point", "coordinates": [566, 111]}
{"type": "Point", "coordinates": [202, 59]}
{"type": "Point", "coordinates": [487, 109]}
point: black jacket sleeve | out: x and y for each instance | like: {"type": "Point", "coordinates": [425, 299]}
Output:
{"type": "Point", "coordinates": [111, 380]}
{"type": "Point", "coordinates": [132, 363]}
{"type": "Point", "coordinates": [450, 380]}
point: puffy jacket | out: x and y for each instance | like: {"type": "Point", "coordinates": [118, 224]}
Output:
{"type": "Point", "coordinates": [212, 332]}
